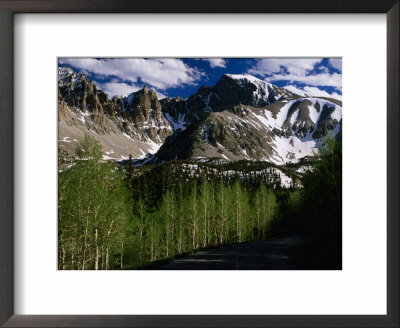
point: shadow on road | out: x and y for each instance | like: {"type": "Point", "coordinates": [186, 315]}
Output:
{"type": "Point", "coordinates": [264, 255]}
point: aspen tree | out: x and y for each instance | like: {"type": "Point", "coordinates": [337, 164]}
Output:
{"type": "Point", "coordinates": [93, 194]}
{"type": "Point", "coordinates": [205, 203]}
{"type": "Point", "coordinates": [194, 215]}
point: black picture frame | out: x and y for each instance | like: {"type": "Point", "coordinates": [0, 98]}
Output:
{"type": "Point", "coordinates": [10, 7]}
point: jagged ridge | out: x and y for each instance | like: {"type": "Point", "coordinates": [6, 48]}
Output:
{"type": "Point", "coordinates": [240, 117]}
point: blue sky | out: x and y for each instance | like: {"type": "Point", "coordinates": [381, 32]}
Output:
{"type": "Point", "coordinates": [183, 76]}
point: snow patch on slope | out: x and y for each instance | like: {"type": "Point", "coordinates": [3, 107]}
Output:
{"type": "Point", "coordinates": [292, 148]}
{"type": "Point", "coordinates": [179, 124]}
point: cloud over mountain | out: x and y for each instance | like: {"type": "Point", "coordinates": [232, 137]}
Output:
{"type": "Point", "coordinates": [159, 73]}
{"type": "Point", "coordinates": [172, 77]}
{"type": "Point", "coordinates": [309, 71]}
{"type": "Point", "coordinates": [117, 88]}
{"type": "Point", "coordinates": [241, 117]}
{"type": "Point", "coordinates": [313, 92]}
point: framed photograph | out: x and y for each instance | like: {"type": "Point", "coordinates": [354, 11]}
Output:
{"type": "Point", "coordinates": [199, 164]}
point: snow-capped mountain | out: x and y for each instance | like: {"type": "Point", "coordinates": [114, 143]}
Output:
{"type": "Point", "coordinates": [243, 117]}
{"type": "Point", "coordinates": [240, 117]}
{"type": "Point", "coordinates": [229, 90]}
{"type": "Point", "coordinates": [284, 131]}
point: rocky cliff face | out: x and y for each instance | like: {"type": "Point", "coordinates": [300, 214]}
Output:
{"type": "Point", "coordinates": [130, 125]}
{"type": "Point", "coordinates": [281, 132]}
{"type": "Point", "coordinates": [230, 90]}
{"type": "Point", "coordinates": [245, 89]}
{"type": "Point", "coordinates": [240, 117]}
{"type": "Point", "coordinates": [144, 110]}
{"type": "Point", "coordinates": [77, 91]}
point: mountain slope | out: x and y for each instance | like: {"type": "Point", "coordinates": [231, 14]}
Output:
{"type": "Point", "coordinates": [284, 131]}
{"type": "Point", "coordinates": [131, 125]}
{"type": "Point", "coordinates": [230, 90]}
{"type": "Point", "coordinates": [239, 118]}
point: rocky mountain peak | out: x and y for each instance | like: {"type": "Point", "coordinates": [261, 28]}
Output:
{"type": "Point", "coordinates": [141, 104]}
{"type": "Point", "coordinates": [230, 90]}
{"type": "Point", "coordinates": [240, 117]}
{"type": "Point", "coordinates": [144, 109]}
{"type": "Point", "coordinates": [203, 91]}
{"type": "Point", "coordinates": [247, 90]}
{"type": "Point", "coordinates": [136, 121]}
{"type": "Point", "coordinates": [76, 90]}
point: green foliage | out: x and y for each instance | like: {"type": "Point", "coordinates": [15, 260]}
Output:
{"type": "Point", "coordinates": [294, 202]}
{"type": "Point", "coordinates": [151, 181]}
{"type": "Point", "coordinates": [111, 217]}
{"type": "Point", "coordinates": [266, 210]}
{"type": "Point", "coordinates": [93, 212]}
{"type": "Point", "coordinates": [316, 210]}
{"type": "Point", "coordinates": [209, 213]}
{"type": "Point", "coordinates": [90, 150]}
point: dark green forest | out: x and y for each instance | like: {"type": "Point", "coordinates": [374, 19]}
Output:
{"type": "Point", "coordinates": [118, 216]}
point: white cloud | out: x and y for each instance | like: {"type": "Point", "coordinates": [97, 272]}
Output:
{"type": "Point", "coordinates": [313, 92]}
{"type": "Point", "coordinates": [323, 69]}
{"type": "Point", "coordinates": [336, 63]}
{"type": "Point", "coordinates": [296, 66]}
{"type": "Point", "coordinates": [117, 88]}
{"type": "Point", "coordinates": [160, 95]}
{"type": "Point", "coordinates": [216, 62]}
{"type": "Point", "coordinates": [123, 89]}
{"type": "Point", "coordinates": [332, 80]}
{"type": "Point", "coordinates": [317, 92]}
{"type": "Point", "coordinates": [297, 70]}
{"type": "Point", "coordinates": [298, 91]}
{"type": "Point", "coordinates": [159, 73]}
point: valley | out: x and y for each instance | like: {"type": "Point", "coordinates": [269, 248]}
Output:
{"type": "Point", "coordinates": [238, 167]}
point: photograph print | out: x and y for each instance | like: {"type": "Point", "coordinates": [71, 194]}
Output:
{"type": "Point", "coordinates": [199, 163]}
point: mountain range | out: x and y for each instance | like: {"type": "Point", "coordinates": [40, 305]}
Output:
{"type": "Point", "coordinates": [239, 118]}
